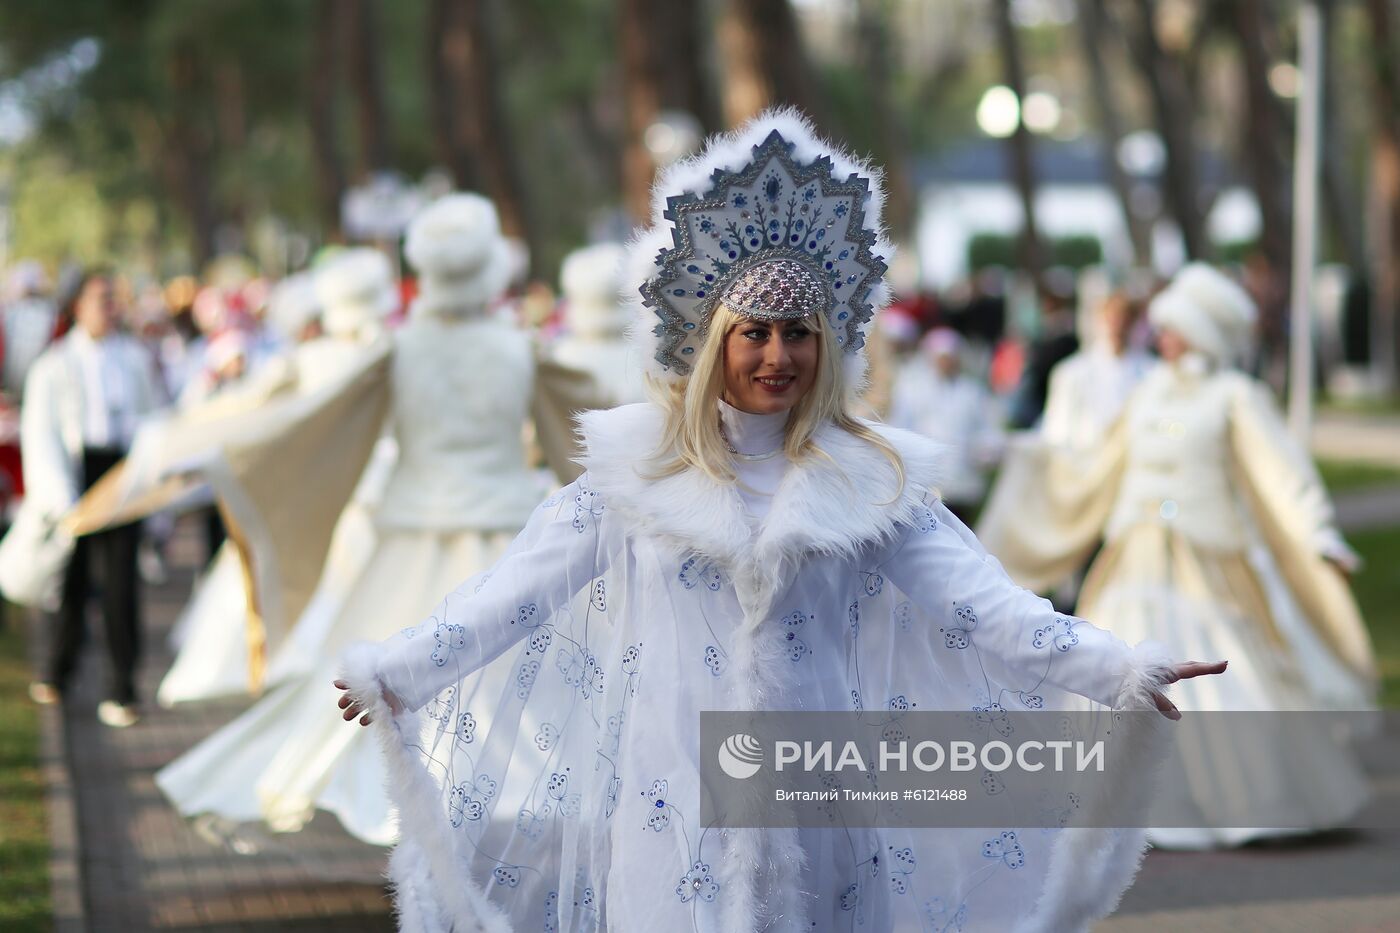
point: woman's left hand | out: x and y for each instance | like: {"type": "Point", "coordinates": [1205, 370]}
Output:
{"type": "Point", "coordinates": [353, 707]}
{"type": "Point", "coordinates": [1185, 671]}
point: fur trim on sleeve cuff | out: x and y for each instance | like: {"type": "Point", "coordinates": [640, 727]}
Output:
{"type": "Point", "coordinates": [359, 668]}
{"type": "Point", "coordinates": [1150, 669]}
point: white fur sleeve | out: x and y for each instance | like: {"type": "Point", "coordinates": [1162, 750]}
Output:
{"type": "Point", "coordinates": [555, 556]}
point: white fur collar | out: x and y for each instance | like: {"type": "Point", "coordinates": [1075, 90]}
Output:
{"type": "Point", "coordinates": [822, 506]}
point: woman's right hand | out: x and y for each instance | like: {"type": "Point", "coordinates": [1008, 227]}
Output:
{"type": "Point", "coordinates": [353, 707]}
{"type": "Point", "coordinates": [1183, 671]}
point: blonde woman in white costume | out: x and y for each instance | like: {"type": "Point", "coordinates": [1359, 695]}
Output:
{"type": "Point", "coordinates": [740, 543]}
{"type": "Point", "coordinates": [458, 389]}
{"type": "Point", "coordinates": [1218, 538]}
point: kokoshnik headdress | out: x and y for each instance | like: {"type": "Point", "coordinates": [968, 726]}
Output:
{"type": "Point", "coordinates": [771, 221]}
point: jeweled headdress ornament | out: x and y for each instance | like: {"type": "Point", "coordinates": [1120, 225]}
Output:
{"type": "Point", "coordinates": [771, 221]}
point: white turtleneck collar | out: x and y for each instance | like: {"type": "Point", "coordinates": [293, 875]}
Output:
{"type": "Point", "coordinates": [752, 434]}
{"type": "Point", "coordinates": [755, 436]}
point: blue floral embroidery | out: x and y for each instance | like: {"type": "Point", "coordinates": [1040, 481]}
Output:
{"type": "Point", "coordinates": [924, 521]}
{"type": "Point", "coordinates": [697, 883]}
{"type": "Point", "coordinates": [856, 703]}
{"type": "Point", "coordinates": [902, 865]}
{"type": "Point", "coordinates": [904, 615]}
{"type": "Point", "coordinates": [1060, 633]}
{"type": "Point", "coordinates": [714, 660]}
{"type": "Point", "coordinates": [992, 784]}
{"type": "Point", "coordinates": [941, 917]}
{"type": "Point", "coordinates": [850, 898]}
{"type": "Point", "coordinates": [580, 669]}
{"type": "Point", "coordinates": [525, 678]}
{"type": "Point", "coordinates": [874, 582]}
{"type": "Point", "coordinates": [531, 824]}
{"type": "Point", "coordinates": [697, 570]}
{"type": "Point", "coordinates": [853, 618]}
{"type": "Point", "coordinates": [440, 707]}
{"type": "Point", "coordinates": [959, 634]}
{"type": "Point", "coordinates": [558, 787]}
{"type": "Point", "coordinates": [588, 508]}
{"type": "Point", "coordinates": [1005, 848]}
{"type": "Point", "coordinates": [599, 599]}
{"type": "Point", "coordinates": [659, 817]}
{"type": "Point", "coordinates": [551, 912]}
{"type": "Point", "coordinates": [547, 735]}
{"type": "Point", "coordinates": [508, 875]}
{"type": "Point", "coordinates": [447, 639]}
{"type": "Point", "coordinates": [1031, 700]}
{"type": "Point", "coordinates": [792, 623]}
{"type": "Point", "coordinates": [994, 715]}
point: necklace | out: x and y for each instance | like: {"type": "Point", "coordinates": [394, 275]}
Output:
{"type": "Point", "coordinates": [752, 458]}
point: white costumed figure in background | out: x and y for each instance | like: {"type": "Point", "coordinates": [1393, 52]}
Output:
{"type": "Point", "coordinates": [595, 321]}
{"type": "Point", "coordinates": [458, 391]}
{"type": "Point", "coordinates": [356, 290]}
{"type": "Point", "coordinates": [1089, 388]}
{"type": "Point", "coordinates": [1218, 538]}
{"type": "Point", "coordinates": [740, 543]}
{"type": "Point", "coordinates": [935, 398]}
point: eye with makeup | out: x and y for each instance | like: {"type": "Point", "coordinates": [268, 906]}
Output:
{"type": "Point", "coordinates": [792, 333]}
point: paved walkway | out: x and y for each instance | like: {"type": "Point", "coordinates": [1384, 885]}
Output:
{"type": "Point", "coordinates": [1342, 435]}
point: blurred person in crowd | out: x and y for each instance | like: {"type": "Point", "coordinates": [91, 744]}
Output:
{"type": "Point", "coordinates": [595, 322]}
{"type": "Point", "coordinates": [225, 365]}
{"type": "Point", "coordinates": [83, 399]}
{"type": "Point", "coordinates": [458, 390]}
{"type": "Point", "coordinates": [1219, 538]}
{"type": "Point", "coordinates": [935, 398]}
{"type": "Point", "coordinates": [29, 319]}
{"type": "Point", "coordinates": [1088, 388]}
{"type": "Point", "coordinates": [1056, 341]}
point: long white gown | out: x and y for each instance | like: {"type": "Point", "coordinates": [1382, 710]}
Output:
{"type": "Point", "coordinates": [1215, 525]}
{"type": "Point", "coordinates": [460, 390]}
{"type": "Point", "coordinates": [569, 801]}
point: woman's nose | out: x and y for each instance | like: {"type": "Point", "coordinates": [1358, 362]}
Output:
{"type": "Point", "coordinates": [776, 354]}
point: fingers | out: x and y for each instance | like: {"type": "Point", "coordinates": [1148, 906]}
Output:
{"type": "Point", "coordinates": [340, 685]}
{"type": "Point", "coordinates": [1166, 707]}
{"type": "Point", "coordinates": [365, 719]}
{"type": "Point", "coordinates": [1188, 669]}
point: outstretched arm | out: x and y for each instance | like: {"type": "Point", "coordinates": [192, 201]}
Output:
{"type": "Point", "coordinates": [558, 554]}
{"type": "Point", "coordinates": [950, 575]}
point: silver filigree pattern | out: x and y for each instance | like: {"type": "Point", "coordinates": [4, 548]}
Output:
{"type": "Point", "coordinates": [773, 212]}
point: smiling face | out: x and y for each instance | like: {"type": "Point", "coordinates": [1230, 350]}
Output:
{"type": "Point", "coordinates": [769, 365]}
{"type": "Point", "coordinates": [1171, 345]}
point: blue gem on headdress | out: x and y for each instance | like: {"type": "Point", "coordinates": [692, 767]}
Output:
{"type": "Point", "coordinates": [740, 200]}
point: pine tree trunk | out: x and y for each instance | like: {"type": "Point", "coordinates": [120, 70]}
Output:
{"type": "Point", "coordinates": [367, 85]}
{"type": "Point", "coordinates": [321, 82]}
{"type": "Point", "coordinates": [641, 93]}
{"type": "Point", "coordinates": [1032, 252]}
{"type": "Point", "coordinates": [448, 52]}
{"type": "Point", "coordinates": [1171, 108]}
{"type": "Point", "coordinates": [764, 63]}
{"type": "Point", "coordinates": [191, 152]}
{"type": "Point", "coordinates": [1383, 227]}
{"type": "Point", "coordinates": [1093, 34]}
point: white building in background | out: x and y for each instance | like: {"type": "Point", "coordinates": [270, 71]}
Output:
{"type": "Point", "coordinates": [967, 191]}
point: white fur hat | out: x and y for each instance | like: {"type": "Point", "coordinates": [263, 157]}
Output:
{"type": "Point", "coordinates": [591, 279]}
{"type": "Point", "coordinates": [292, 305]}
{"type": "Point", "coordinates": [1206, 307]}
{"type": "Point", "coordinates": [463, 262]}
{"type": "Point", "coordinates": [355, 289]}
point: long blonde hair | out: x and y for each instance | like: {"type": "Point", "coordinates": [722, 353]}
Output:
{"type": "Point", "coordinates": [691, 437]}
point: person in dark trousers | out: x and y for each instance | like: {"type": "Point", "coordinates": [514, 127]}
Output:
{"type": "Point", "coordinates": [83, 399]}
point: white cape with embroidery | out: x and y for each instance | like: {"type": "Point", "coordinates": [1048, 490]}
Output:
{"type": "Point", "coordinates": [626, 607]}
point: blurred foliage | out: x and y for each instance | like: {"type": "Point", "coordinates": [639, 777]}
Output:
{"type": "Point", "coordinates": [1351, 475]}
{"type": "Point", "coordinates": [985, 250]}
{"type": "Point", "coordinates": [1377, 589]}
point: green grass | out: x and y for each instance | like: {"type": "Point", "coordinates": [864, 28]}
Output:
{"type": "Point", "coordinates": [1377, 589]}
{"type": "Point", "coordinates": [1388, 405]}
{"type": "Point", "coordinates": [1351, 475]}
{"type": "Point", "coordinates": [24, 838]}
